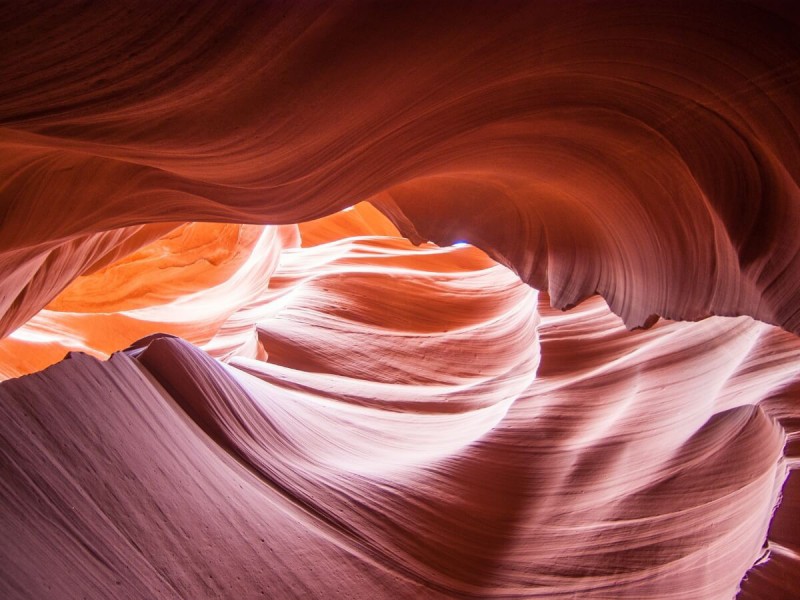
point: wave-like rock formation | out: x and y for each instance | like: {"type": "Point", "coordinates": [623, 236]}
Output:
{"type": "Point", "coordinates": [267, 397]}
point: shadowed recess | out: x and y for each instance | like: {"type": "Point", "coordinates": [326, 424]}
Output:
{"type": "Point", "coordinates": [400, 300]}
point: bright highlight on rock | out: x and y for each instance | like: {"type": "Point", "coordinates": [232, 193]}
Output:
{"type": "Point", "coordinates": [400, 300]}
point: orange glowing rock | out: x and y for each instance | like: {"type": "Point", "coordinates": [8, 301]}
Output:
{"type": "Point", "coordinates": [310, 266]}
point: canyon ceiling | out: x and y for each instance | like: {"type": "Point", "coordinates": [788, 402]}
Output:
{"type": "Point", "coordinates": [400, 299]}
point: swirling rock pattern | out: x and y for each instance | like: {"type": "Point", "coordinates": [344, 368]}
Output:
{"type": "Point", "coordinates": [318, 407]}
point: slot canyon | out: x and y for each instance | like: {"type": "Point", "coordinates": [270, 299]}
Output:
{"type": "Point", "coordinates": [400, 300]}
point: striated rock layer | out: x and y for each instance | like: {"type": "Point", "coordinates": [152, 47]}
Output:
{"type": "Point", "coordinates": [645, 151]}
{"type": "Point", "coordinates": [640, 466]}
{"type": "Point", "coordinates": [392, 421]}
{"type": "Point", "coordinates": [312, 407]}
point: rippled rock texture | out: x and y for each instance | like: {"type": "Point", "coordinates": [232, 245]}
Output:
{"type": "Point", "coordinates": [268, 396]}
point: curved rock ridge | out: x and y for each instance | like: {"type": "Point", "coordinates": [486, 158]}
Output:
{"type": "Point", "coordinates": [181, 476]}
{"type": "Point", "coordinates": [315, 400]}
{"type": "Point", "coordinates": [644, 151]}
{"type": "Point", "coordinates": [188, 283]}
{"type": "Point", "coordinates": [225, 287]}
{"type": "Point", "coordinates": [416, 413]}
